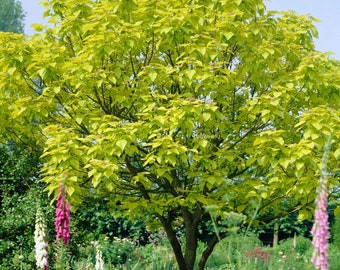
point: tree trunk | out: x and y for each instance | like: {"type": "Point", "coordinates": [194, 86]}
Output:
{"type": "Point", "coordinates": [276, 235]}
{"type": "Point", "coordinates": [209, 249]}
{"type": "Point", "coordinates": [190, 245]}
{"type": "Point", "coordinates": [191, 221]}
{"type": "Point", "coordinates": [176, 247]}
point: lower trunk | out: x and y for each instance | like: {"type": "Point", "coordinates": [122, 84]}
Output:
{"type": "Point", "coordinates": [276, 235]}
{"type": "Point", "coordinates": [191, 220]}
{"type": "Point", "coordinates": [190, 246]}
{"type": "Point", "coordinates": [176, 247]}
{"type": "Point", "coordinates": [209, 249]}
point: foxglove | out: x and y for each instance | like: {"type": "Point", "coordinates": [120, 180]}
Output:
{"type": "Point", "coordinates": [62, 219]}
{"type": "Point", "coordinates": [320, 230]}
{"type": "Point", "coordinates": [99, 257]}
{"type": "Point", "coordinates": [40, 241]}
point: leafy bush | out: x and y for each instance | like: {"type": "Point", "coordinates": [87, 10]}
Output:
{"type": "Point", "coordinates": [156, 257]}
{"type": "Point", "coordinates": [302, 245]}
{"type": "Point", "coordinates": [335, 232]}
{"type": "Point", "coordinates": [293, 254]}
{"type": "Point", "coordinates": [231, 252]}
{"type": "Point", "coordinates": [334, 256]}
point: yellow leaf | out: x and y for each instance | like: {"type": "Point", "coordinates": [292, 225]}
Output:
{"type": "Point", "coordinates": [73, 178]}
{"type": "Point", "coordinates": [11, 70]}
{"type": "Point", "coordinates": [38, 27]}
{"type": "Point", "coordinates": [88, 67]}
{"type": "Point", "coordinates": [264, 195]}
{"type": "Point", "coordinates": [299, 165]}
{"type": "Point", "coordinates": [190, 73]}
{"type": "Point", "coordinates": [260, 140]}
{"type": "Point", "coordinates": [279, 140]}
{"type": "Point", "coordinates": [252, 194]}
{"type": "Point", "coordinates": [203, 143]}
{"type": "Point", "coordinates": [206, 116]}
{"type": "Point", "coordinates": [121, 144]}
{"type": "Point", "coordinates": [202, 50]}
{"type": "Point", "coordinates": [317, 125]}
{"type": "Point", "coordinates": [153, 76]}
{"type": "Point", "coordinates": [228, 35]}
{"type": "Point", "coordinates": [70, 190]}
{"type": "Point", "coordinates": [265, 55]}
{"type": "Point", "coordinates": [79, 119]}
{"type": "Point", "coordinates": [303, 215]}
{"type": "Point", "coordinates": [337, 211]}
{"type": "Point", "coordinates": [166, 30]}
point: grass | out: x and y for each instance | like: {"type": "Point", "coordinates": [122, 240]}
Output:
{"type": "Point", "coordinates": [233, 253]}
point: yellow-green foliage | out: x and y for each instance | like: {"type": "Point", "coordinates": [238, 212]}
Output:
{"type": "Point", "coordinates": [167, 107]}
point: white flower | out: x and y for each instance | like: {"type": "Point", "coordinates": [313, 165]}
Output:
{"type": "Point", "coordinates": [99, 256]}
{"type": "Point", "coordinates": [41, 254]}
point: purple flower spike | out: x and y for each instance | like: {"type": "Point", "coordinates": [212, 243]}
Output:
{"type": "Point", "coordinates": [320, 230]}
{"type": "Point", "coordinates": [320, 233]}
{"type": "Point", "coordinates": [62, 219]}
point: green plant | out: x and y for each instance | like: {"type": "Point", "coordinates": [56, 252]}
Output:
{"type": "Point", "coordinates": [62, 256]}
{"type": "Point", "coordinates": [333, 256]}
{"type": "Point", "coordinates": [157, 257]}
{"type": "Point", "coordinates": [335, 232]}
{"type": "Point", "coordinates": [300, 245]}
{"type": "Point", "coordinates": [232, 251]}
{"type": "Point", "coordinates": [293, 254]}
{"type": "Point", "coordinates": [118, 251]}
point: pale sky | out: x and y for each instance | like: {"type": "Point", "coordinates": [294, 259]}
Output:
{"type": "Point", "coordinates": [327, 11]}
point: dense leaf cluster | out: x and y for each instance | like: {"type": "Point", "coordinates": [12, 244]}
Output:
{"type": "Point", "coordinates": [176, 111]}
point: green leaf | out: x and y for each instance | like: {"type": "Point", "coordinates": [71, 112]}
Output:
{"type": "Point", "coordinates": [202, 50]}
{"type": "Point", "coordinates": [228, 35]}
{"type": "Point", "coordinates": [79, 119]}
{"type": "Point", "coordinates": [337, 153]}
{"type": "Point", "coordinates": [203, 143]}
{"type": "Point", "coordinates": [11, 70]}
{"type": "Point", "coordinates": [337, 211]}
{"type": "Point", "coordinates": [206, 116]}
{"type": "Point", "coordinates": [152, 76]}
{"type": "Point", "coordinates": [87, 67]}
{"type": "Point", "coordinates": [265, 55]}
{"type": "Point", "coordinates": [121, 144]}
{"type": "Point", "coordinates": [96, 179]}
{"type": "Point", "coordinates": [304, 215]}
{"type": "Point", "coordinates": [166, 30]}
{"type": "Point", "coordinates": [190, 73]}
{"type": "Point", "coordinates": [260, 140]}
{"type": "Point", "coordinates": [279, 140]}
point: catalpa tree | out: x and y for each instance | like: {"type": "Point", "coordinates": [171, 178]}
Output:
{"type": "Point", "coordinates": [177, 112]}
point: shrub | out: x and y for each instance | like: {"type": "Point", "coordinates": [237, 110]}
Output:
{"type": "Point", "coordinates": [335, 232]}
{"type": "Point", "coordinates": [333, 256]}
{"type": "Point", "coordinates": [293, 254]}
{"type": "Point", "coordinates": [231, 252]}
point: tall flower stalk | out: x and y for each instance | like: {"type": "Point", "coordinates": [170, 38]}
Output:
{"type": "Point", "coordinates": [99, 257]}
{"type": "Point", "coordinates": [320, 230]}
{"type": "Point", "coordinates": [40, 240]}
{"type": "Point", "coordinates": [62, 219]}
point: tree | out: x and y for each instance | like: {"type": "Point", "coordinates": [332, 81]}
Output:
{"type": "Point", "coordinates": [11, 16]}
{"type": "Point", "coordinates": [177, 112]}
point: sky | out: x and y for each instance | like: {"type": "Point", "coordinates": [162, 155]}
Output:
{"type": "Point", "coordinates": [327, 11]}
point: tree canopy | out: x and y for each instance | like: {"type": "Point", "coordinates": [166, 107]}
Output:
{"type": "Point", "coordinates": [11, 16]}
{"type": "Point", "coordinates": [176, 111]}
